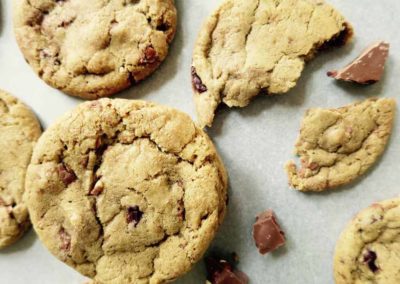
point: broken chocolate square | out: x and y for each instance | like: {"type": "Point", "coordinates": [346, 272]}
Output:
{"type": "Point", "coordinates": [367, 68]}
{"type": "Point", "coordinates": [267, 233]}
{"type": "Point", "coordinates": [220, 271]}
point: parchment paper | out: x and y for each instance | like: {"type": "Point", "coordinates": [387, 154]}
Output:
{"type": "Point", "coordinates": [254, 142]}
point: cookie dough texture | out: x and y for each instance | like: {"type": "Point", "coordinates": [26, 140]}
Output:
{"type": "Point", "coordinates": [19, 130]}
{"type": "Point", "coordinates": [94, 48]}
{"type": "Point", "coordinates": [126, 191]}
{"type": "Point", "coordinates": [338, 145]}
{"type": "Point", "coordinates": [259, 46]}
{"type": "Point", "coordinates": [368, 251]}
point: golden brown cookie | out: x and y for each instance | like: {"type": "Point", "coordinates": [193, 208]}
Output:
{"type": "Point", "coordinates": [336, 146]}
{"type": "Point", "coordinates": [368, 250]}
{"type": "Point", "coordinates": [94, 48]}
{"type": "Point", "coordinates": [19, 130]}
{"type": "Point", "coordinates": [259, 46]}
{"type": "Point", "coordinates": [126, 191]}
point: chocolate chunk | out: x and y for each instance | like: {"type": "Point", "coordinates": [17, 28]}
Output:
{"type": "Point", "coordinates": [66, 175]}
{"type": "Point", "coordinates": [367, 68]}
{"type": "Point", "coordinates": [370, 258]}
{"type": "Point", "coordinates": [221, 272]}
{"type": "Point", "coordinates": [134, 215]}
{"type": "Point", "coordinates": [97, 189]}
{"type": "Point", "coordinates": [267, 233]}
{"type": "Point", "coordinates": [149, 56]}
{"type": "Point", "coordinates": [65, 240]}
{"type": "Point", "coordinates": [197, 83]}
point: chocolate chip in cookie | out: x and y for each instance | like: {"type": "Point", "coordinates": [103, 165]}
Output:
{"type": "Point", "coordinates": [134, 215]}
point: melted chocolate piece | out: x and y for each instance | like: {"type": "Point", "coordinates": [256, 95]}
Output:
{"type": "Point", "coordinates": [267, 233]}
{"type": "Point", "coordinates": [66, 175]}
{"type": "Point", "coordinates": [368, 68]}
{"type": "Point", "coordinates": [220, 271]}
{"type": "Point", "coordinates": [134, 215]}
{"type": "Point", "coordinates": [197, 82]}
{"type": "Point", "coordinates": [370, 258]}
{"type": "Point", "coordinates": [150, 56]}
{"type": "Point", "coordinates": [65, 240]}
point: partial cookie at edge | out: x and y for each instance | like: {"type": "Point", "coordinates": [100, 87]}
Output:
{"type": "Point", "coordinates": [368, 250]}
{"type": "Point", "coordinates": [19, 130]}
{"type": "Point", "coordinates": [91, 49]}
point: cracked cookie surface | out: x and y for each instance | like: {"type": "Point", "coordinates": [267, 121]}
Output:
{"type": "Point", "coordinates": [19, 130]}
{"type": "Point", "coordinates": [94, 48]}
{"type": "Point", "coordinates": [126, 191]}
{"type": "Point", "coordinates": [338, 145]}
{"type": "Point", "coordinates": [368, 250]}
{"type": "Point", "coordinates": [259, 46]}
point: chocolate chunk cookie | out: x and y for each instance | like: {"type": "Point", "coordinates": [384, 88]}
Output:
{"type": "Point", "coordinates": [338, 145]}
{"type": "Point", "coordinates": [94, 48]}
{"type": "Point", "coordinates": [250, 47]}
{"type": "Point", "coordinates": [126, 191]}
{"type": "Point", "coordinates": [368, 251]}
{"type": "Point", "coordinates": [19, 130]}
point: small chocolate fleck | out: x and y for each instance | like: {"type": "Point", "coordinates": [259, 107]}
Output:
{"type": "Point", "coordinates": [366, 69]}
{"type": "Point", "coordinates": [134, 215]}
{"type": "Point", "coordinates": [97, 189]}
{"type": "Point", "coordinates": [267, 233]}
{"type": "Point", "coordinates": [370, 258]}
{"type": "Point", "coordinates": [149, 56]}
{"type": "Point", "coordinates": [65, 240]}
{"type": "Point", "coordinates": [220, 271]}
{"type": "Point", "coordinates": [197, 82]}
{"type": "Point", "coordinates": [66, 175]}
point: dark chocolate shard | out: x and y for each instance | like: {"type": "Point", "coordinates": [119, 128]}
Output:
{"type": "Point", "coordinates": [134, 215]}
{"type": "Point", "coordinates": [267, 233]}
{"type": "Point", "coordinates": [197, 82]}
{"type": "Point", "coordinates": [66, 175]}
{"type": "Point", "coordinates": [370, 259]}
{"type": "Point", "coordinates": [220, 271]}
{"type": "Point", "coordinates": [368, 68]}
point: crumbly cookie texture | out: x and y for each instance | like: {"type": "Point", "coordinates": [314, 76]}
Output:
{"type": "Point", "coordinates": [94, 48]}
{"type": "Point", "coordinates": [19, 130]}
{"type": "Point", "coordinates": [338, 145]}
{"type": "Point", "coordinates": [126, 191]}
{"type": "Point", "coordinates": [259, 46]}
{"type": "Point", "coordinates": [368, 249]}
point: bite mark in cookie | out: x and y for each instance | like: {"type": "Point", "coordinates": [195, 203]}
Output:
{"type": "Point", "coordinates": [248, 48]}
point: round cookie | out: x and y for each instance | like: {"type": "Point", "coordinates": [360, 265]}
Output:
{"type": "Point", "coordinates": [19, 130]}
{"type": "Point", "coordinates": [126, 191]}
{"type": "Point", "coordinates": [368, 251]}
{"type": "Point", "coordinates": [247, 48]}
{"type": "Point", "coordinates": [94, 48]}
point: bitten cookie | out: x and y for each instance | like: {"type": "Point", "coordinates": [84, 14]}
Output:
{"type": "Point", "coordinates": [94, 48]}
{"type": "Point", "coordinates": [368, 251]}
{"type": "Point", "coordinates": [19, 130]}
{"type": "Point", "coordinates": [126, 191]}
{"type": "Point", "coordinates": [338, 145]}
{"type": "Point", "coordinates": [259, 46]}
